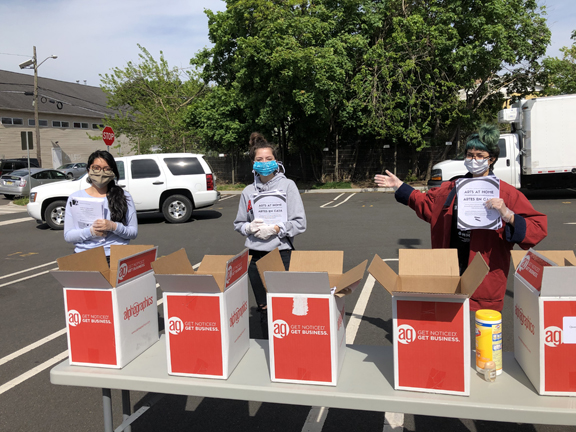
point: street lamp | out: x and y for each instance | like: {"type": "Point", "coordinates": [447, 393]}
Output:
{"type": "Point", "coordinates": [33, 64]}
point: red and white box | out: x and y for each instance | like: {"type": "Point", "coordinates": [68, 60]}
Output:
{"type": "Point", "coordinates": [545, 319]}
{"type": "Point", "coordinates": [111, 313]}
{"type": "Point", "coordinates": [306, 310]}
{"type": "Point", "coordinates": [431, 318]}
{"type": "Point", "coordinates": [205, 313]}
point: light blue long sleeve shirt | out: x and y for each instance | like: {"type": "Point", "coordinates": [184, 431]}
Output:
{"type": "Point", "coordinates": [83, 238]}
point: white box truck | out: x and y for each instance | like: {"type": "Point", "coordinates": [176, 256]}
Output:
{"type": "Point", "coordinates": [540, 152]}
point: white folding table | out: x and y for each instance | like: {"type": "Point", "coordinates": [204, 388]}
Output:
{"type": "Point", "coordinates": [365, 383]}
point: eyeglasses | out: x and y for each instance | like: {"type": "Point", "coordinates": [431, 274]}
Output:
{"type": "Point", "coordinates": [96, 169]}
{"type": "Point", "coordinates": [479, 158]}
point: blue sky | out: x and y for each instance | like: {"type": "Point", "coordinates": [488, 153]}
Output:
{"type": "Point", "coordinates": [90, 38]}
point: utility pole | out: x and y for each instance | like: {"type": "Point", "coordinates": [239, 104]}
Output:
{"type": "Point", "coordinates": [36, 121]}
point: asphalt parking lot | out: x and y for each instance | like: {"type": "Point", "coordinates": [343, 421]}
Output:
{"type": "Point", "coordinates": [32, 324]}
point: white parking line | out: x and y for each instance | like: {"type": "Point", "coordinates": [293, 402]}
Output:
{"type": "Point", "coordinates": [27, 270]}
{"type": "Point", "coordinates": [32, 372]}
{"type": "Point", "coordinates": [335, 199]}
{"type": "Point", "coordinates": [13, 221]}
{"type": "Point", "coordinates": [226, 197]}
{"type": "Point", "coordinates": [27, 277]}
{"type": "Point", "coordinates": [32, 346]}
{"type": "Point", "coordinates": [317, 415]}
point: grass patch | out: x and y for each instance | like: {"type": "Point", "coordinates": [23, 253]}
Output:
{"type": "Point", "coordinates": [231, 187]}
{"type": "Point", "coordinates": [332, 185]}
{"type": "Point", "coordinates": [22, 201]}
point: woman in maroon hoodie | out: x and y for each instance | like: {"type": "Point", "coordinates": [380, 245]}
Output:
{"type": "Point", "coordinates": [522, 224]}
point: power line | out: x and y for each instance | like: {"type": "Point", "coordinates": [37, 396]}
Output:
{"type": "Point", "coordinates": [19, 55]}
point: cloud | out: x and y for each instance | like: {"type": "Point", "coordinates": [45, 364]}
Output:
{"type": "Point", "coordinates": [91, 38]}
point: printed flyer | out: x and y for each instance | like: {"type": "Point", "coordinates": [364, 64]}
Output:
{"type": "Point", "coordinates": [472, 194]}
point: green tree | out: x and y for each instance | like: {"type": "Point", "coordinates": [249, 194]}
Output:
{"type": "Point", "coordinates": [559, 75]}
{"type": "Point", "coordinates": [151, 101]}
{"type": "Point", "coordinates": [438, 67]}
{"type": "Point", "coordinates": [290, 65]}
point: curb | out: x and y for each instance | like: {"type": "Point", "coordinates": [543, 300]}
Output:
{"type": "Point", "coordinates": [324, 191]}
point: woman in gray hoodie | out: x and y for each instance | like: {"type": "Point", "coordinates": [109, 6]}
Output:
{"type": "Point", "coordinates": [261, 237]}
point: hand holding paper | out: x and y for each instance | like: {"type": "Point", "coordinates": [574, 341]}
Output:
{"type": "Point", "coordinates": [254, 226]}
{"type": "Point", "coordinates": [103, 225]}
{"type": "Point", "coordinates": [498, 204]}
{"type": "Point", "coordinates": [266, 231]}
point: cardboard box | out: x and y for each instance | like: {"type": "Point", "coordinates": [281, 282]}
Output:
{"type": "Point", "coordinates": [205, 313]}
{"type": "Point", "coordinates": [111, 313]}
{"type": "Point", "coordinates": [306, 310]}
{"type": "Point", "coordinates": [431, 315]}
{"type": "Point", "coordinates": [545, 319]}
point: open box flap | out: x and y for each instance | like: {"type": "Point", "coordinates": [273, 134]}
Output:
{"type": "Point", "coordinates": [188, 283]}
{"type": "Point", "coordinates": [428, 285]}
{"type": "Point", "coordinates": [474, 275]}
{"type": "Point", "coordinates": [284, 282]}
{"type": "Point", "coordinates": [348, 282]}
{"type": "Point", "coordinates": [176, 263]}
{"type": "Point", "coordinates": [383, 274]}
{"type": "Point", "coordinates": [81, 279]}
{"type": "Point", "coordinates": [331, 262]}
{"type": "Point", "coordinates": [558, 281]}
{"type": "Point", "coordinates": [272, 261]}
{"type": "Point", "coordinates": [428, 262]}
{"type": "Point", "coordinates": [90, 260]}
{"type": "Point", "coordinates": [119, 252]}
{"type": "Point", "coordinates": [560, 257]}
{"type": "Point", "coordinates": [215, 265]}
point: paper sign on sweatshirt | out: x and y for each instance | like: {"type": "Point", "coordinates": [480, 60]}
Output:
{"type": "Point", "coordinates": [270, 207]}
{"type": "Point", "coordinates": [472, 196]}
{"type": "Point", "coordinates": [86, 210]}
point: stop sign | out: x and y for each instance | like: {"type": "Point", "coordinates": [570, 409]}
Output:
{"type": "Point", "coordinates": [108, 135]}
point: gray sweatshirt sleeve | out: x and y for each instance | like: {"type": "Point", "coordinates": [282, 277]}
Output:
{"type": "Point", "coordinates": [296, 223]}
{"type": "Point", "coordinates": [242, 218]}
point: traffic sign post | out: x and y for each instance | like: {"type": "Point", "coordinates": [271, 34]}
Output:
{"type": "Point", "coordinates": [108, 136]}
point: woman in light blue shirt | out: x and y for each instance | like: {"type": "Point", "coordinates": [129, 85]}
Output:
{"type": "Point", "coordinates": [119, 224]}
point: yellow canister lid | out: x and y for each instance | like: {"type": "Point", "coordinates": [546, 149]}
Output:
{"type": "Point", "coordinates": [488, 315]}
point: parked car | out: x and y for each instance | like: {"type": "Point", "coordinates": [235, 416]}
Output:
{"type": "Point", "coordinates": [9, 165]}
{"type": "Point", "coordinates": [18, 182]}
{"type": "Point", "coordinates": [73, 170]}
{"type": "Point", "coordinates": [173, 183]}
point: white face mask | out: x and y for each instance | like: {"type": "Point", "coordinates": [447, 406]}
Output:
{"type": "Point", "coordinates": [475, 167]}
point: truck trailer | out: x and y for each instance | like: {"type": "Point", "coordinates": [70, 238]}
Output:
{"type": "Point", "coordinates": [539, 152]}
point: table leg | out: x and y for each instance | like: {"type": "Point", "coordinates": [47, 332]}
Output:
{"type": "Point", "coordinates": [126, 408]}
{"type": "Point", "coordinates": [107, 404]}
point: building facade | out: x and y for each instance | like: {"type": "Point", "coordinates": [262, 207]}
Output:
{"type": "Point", "coordinates": [69, 113]}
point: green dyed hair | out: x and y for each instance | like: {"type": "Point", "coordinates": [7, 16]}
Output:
{"type": "Point", "coordinates": [486, 139]}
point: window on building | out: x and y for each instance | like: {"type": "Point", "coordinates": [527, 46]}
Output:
{"type": "Point", "coordinates": [65, 124]}
{"type": "Point", "coordinates": [43, 122]}
{"type": "Point", "coordinates": [31, 122]}
{"type": "Point", "coordinates": [79, 125]}
{"type": "Point", "coordinates": [27, 140]}
{"type": "Point", "coordinates": [56, 123]}
{"type": "Point", "coordinates": [17, 121]}
{"type": "Point", "coordinates": [97, 126]}
{"type": "Point", "coordinates": [6, 120]}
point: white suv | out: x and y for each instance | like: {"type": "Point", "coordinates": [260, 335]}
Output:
{"type": "Point", "coordinates": [173, 183]}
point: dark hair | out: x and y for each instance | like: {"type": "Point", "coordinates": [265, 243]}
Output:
{"type": "Point", "coordinates": [486, 139]}
{"type": "Point", "coordinates": [115, 194]}
{"type": "Point", "coordinates": [257, 142]}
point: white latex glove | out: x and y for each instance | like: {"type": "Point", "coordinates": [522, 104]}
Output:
{"type": "Point", "coordinates": [254, 226]}
{"type": "Point", "coordinates": [389, 180]}
{"type": "Point", "coordinates": [498, 204]}
{"type": "Point", "coordinates": [265, 232]}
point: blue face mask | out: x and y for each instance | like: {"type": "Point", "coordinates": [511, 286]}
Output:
{"type": "Point", "coordinates": [265, 168]}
